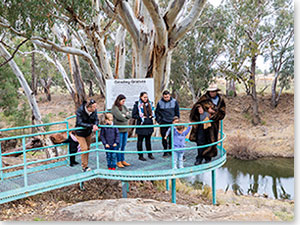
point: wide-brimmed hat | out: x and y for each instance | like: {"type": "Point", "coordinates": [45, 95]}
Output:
{"type": "Point", "coordinates": [213, 87]}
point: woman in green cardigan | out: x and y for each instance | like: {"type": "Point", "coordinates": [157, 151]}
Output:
{"type": "Point", "coordinates": [121, 116]}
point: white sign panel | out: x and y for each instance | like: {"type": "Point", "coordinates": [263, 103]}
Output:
{"type": "Point", "coordinates": [131, 88]}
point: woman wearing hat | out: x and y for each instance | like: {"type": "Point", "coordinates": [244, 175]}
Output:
{"type": "Point", "coordinates": [213, 103]}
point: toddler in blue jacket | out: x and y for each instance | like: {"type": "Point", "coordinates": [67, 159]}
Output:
{"type": "Point", "coordinates": [179, 141]}
{"type": "Point", "coordinates": [110, 138]}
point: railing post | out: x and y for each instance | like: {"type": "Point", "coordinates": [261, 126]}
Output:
{"type": "Point", "coordinates": [173, 165]}
{"type": "Point", "coordinates": [167, 185]}
{"type": "Point", "coordinates": [174, 191]}
{"type": "Point", "coordinates": [97, 152]}
{"type": "Point", "coordinates": [124, 189]}
{"type": "Point", "coordinates": [213, 184]}
{"type": "Point", "coordinates": [68, 148]}
{"type": "Point", "coordinates": [25, 162]}
{"type": "Point", "coordinates": [221, 136]}
{"type": "Point", "coordinates": [1, 171]}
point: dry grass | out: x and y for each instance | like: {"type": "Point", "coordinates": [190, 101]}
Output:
{"type": "Point", "coordinates": [242, 147]}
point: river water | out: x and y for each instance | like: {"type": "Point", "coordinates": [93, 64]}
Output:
{"type": "Point", "coordinates": [272, 177]}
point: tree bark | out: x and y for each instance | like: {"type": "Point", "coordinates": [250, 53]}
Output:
{"type": "Point", "coordinates": [80, 95]}
{"type": "Point", "coordinates": [120, 53]}
{"type": "Point", "coordinates": [46, 85]}
{"type": "Point", "coordinates": [256, 119]}
{"type": "Point", "coordinates": [230, 88]}
{"type": "Point", "coordinates": [91, 92]}
{"type": "Point", "coordinates": [274, 85]}
{"type": "Point", "coordinates": [33, 75]}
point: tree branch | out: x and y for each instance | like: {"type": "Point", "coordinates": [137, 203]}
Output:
{"type": "Point", "coordinates": [172, 12]}
{"type": "Point", "coordinates": [187, 23]}
{"type": "Point", "coordinates": [158, 21]}
{"type": "Point", "coordinates": [13, 55]}
{"type": "Point", "coordinates": [130, 22]}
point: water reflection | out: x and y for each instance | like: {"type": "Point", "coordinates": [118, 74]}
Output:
{"type": "Point", "coordinates": [272, 178]}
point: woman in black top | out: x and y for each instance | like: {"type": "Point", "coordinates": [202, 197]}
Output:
{"type": "Point", "coordinates": [143, 113]}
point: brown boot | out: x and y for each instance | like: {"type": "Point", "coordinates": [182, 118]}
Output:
{"type": "Point", "coordinates": [119, 164]}
{"type": "Point", "coordinates": [125, 163]}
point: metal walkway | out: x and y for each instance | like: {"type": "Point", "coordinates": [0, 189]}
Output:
{"type": "Point", "coordinates": [36, 177]}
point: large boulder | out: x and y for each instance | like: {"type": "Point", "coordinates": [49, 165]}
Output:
{"type": "Point", "coordinates": [152, 210]}
{"type": "Point", "coordinates": [127, 210]}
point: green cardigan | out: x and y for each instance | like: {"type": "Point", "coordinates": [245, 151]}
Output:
{"type": "Point", "coordinates": [120, 117]}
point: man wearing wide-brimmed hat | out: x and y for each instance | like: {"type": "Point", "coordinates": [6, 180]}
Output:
{"type": "Point", "coordinates": [213, 103]}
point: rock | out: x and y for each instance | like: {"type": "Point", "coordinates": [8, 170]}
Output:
{"type": "Point", "coordinates": [127, 210]}
{"type": "Point", "coordinates": [152, 210]}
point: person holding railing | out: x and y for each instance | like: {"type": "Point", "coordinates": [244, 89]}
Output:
{"type": "Point", "coordinates": [143, 113]}
{"type": "Point", "coordinates": [86, 117]}
{"type": "Point", "coordinates": [121, 117]}
{"type": "Point", "coordinates": [213, 103]}
{"type": "Point", "coordinates": [166, 109]}
{"type": "Point", "coordinates": [179, 141]}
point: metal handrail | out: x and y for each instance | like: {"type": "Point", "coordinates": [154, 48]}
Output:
{"type": "Point", "coordinates": [115, 174]}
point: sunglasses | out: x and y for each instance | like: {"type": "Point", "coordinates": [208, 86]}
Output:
{"type": "Point", "coordinates": [92, 101]}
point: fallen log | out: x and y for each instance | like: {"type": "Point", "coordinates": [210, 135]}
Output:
{"type": "Point", "coordinates": [33, 143]}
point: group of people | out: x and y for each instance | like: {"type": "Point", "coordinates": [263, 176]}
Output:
{"type": "Point", "coordinates": [210, 106]}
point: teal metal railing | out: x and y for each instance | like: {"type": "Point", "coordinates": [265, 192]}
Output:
{"type": "Point", "coordinates": [23, 169]}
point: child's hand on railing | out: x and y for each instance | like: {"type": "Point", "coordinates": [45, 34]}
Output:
{"type": "Point", "coordinates": [114, 145]}
{"type": "Point", "coordinates": [107, 146]}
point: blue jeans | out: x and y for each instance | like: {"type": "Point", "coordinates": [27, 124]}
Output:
{"type": "Point", "coordinates": [178, 157]}
{"type": "Point", "coordinates": [111, 157]}
{"type": "Point", "coordinates": [123, 142]}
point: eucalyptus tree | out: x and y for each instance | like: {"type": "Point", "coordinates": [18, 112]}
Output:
{"type": "Point", "coordinates": [194, 59]}
{"type": "Point", "coordinates": [281, 47]}
{"type": "Point", "coordinates": [36, 20]}
{"type": "Point", "coordinates": [51, 152]}
{"type": "Point", "coordinates": [253, 24]}
{"type": "Point", "coordinates": [155, 31]}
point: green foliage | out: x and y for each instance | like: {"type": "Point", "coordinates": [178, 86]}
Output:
{"type": "Point", "coordinates": [194, 57]}
{"type": "Point", "coordinates": [248, 33]}
{"type": "Point", "coordinates": [20, 116]}
{"type": "Point", "coordinates": [280, 49]}
{"type": "Point", "coordinates": [47, 119]}
{"type": "Point", "coordinates": [8, 91]}
{"type": "Point", "coordinates": [34, 16]}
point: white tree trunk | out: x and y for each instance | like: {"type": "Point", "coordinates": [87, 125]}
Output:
{"type": "Point", "coordinates": [274, 85]}
{"type": "Point", "coordinates": [51, 152]}
{"type": "Point", "coordinates": [155, 39]}
{"type": "Point", "coordinates": [120, 53]}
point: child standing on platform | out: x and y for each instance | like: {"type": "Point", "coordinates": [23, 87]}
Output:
{"type": "Point", "coordinates": [110, 138]}
{"type": "Point", "coordinates": [179, 141]}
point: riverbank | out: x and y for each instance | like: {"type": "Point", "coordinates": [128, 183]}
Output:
{"type": "Point", "coordinates": [230, 207]}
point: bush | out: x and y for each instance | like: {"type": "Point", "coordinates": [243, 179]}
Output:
{"type": "Point", "coordinates": [242, 147]}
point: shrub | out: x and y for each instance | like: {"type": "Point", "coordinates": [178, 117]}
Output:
{"type": "Point", "coordinates": [242, 147]}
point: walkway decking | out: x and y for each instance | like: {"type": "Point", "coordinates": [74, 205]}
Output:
{"type": "Point", "coordinates": [61, 174]}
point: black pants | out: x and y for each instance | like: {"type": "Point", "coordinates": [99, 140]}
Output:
{"type": "Point", "coordinates": [140, 143]}
{"type": "Point", "coordinates": [72, 148]}
{"type": "Point", "coordinates": [166, 143]}
{"type": "Point", "coordinates": [200, 156]}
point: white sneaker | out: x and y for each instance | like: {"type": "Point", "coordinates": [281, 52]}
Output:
{"type": "Point", "coordinates": [86, 169]}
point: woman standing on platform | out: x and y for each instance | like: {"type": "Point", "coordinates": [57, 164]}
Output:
{"type": "Point", "coordinates": [143, 113]}
{"type": "Point", "coordinates": [121, 116]}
